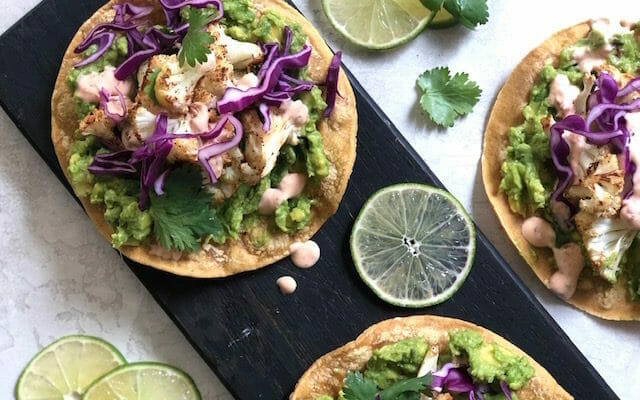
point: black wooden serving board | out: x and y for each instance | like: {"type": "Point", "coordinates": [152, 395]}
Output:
{"type": "Point", "coordinates": [258, 341]}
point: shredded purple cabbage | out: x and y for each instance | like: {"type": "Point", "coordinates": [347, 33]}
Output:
{"type": "Point", "coordinates": [266, 116]}
{"type": "Point", "coordinates": [208, 152]}
{"type": "Point", "coordinates": [133, 20]}
{"type": "Point", "coordinates": [105, 97]}
{"type": "Point", "coordinates": [609, 119]}
{"type": "Point", "coordinates": [505, 390]}
{"type": "Point", "coordinates": [113, 164]}
{"type": "Point", "coordinates": [332, 83]}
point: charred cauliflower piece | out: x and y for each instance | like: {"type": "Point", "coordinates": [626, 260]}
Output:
{"type": "Point", "coordinates": [605, 240]}
{"type": "Point", "coordinates": [599, 193]}
{"type": "Point", "coordinates": [174, 88]}
{"type": "Point", "coordinates": [262, 148]}
{"type": "Point", "coordinates": [97, 123]}
{"type": "Point", "coordinates": [239, 54]}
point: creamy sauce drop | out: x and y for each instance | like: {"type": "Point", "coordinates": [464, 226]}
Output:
{"type": "Point", "coordinates": [89, 85]}
{"type": "Point", "coordinates": [569, 258]}
{"type": "Point", "coordinates": [608, 30]}
{"type": "Point", "coordinates": [296, 112]}
{"type": "Point", "coordinates": [630, 211]}
{"type": "Point", "coordinates": [305, 254]}
{"type": "Point", "coordinates": [114, 106]}
{"type": "Point", "coordinates": [290, 186]}
{"type": "Point", "coordinates": [562, 95]}
{"type": "Point", "coordinates": [287, 284]}
{"type": "Point", "coordinates": [270, 200]}
{"type": "Point", "coordinates": [588, 60]}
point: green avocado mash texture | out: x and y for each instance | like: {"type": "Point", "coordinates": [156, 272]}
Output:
{"type": "Point", "coordinates": [490, 362]}
{"type": "Point", "coordinates": [396, 362]}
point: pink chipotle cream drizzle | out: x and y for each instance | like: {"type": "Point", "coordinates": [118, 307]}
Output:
{"type": "Point", "coordinates": [563, 95]}
{"type": "Point", "coordinates": [630, 211]}
{"type": "Point", "coordinates": [89, 85]}
{"type": "Point", "coordinates": [290, 186]}
{"type": "Point", "coordinates": [569, 258]}
{"type": "Point", "coordinates": [305, 254]}
{"type": "Point", "coordinates": [287, 284]}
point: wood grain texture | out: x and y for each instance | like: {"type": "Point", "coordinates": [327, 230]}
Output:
{"type": "Point", "coordinates": [258, 341]}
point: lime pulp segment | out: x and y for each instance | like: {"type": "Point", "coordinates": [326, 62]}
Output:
{"type": "Point", "coordinates": [413, 245]}
{"type": "Point", "coordinates": [144, 381]}
{"type": "Point", "coordinates": [66, 368]}
{"type": "Point", "coordinates": [378, 24]}
{"type": "Point", "coordinates": [442, 19]}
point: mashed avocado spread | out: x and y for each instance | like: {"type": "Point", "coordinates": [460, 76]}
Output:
{"type": "Point", "coordinates": [489, 362]}
{"type": "Point", "coordinates": [241, 24]}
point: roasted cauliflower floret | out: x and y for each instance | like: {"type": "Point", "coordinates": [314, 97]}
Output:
{"type": "Point", "coordinates": [97, 123]}
{"type": "Point", "coordinates": [262, 148]}
{"type": "Point", "coordinates": [605, 240]}
{"type": "Point", "coordinates": [175, 84]}
{"type": "Point", "coordinates": [239, 54]}
{"type": "Point", "coordinates": [599, 193]}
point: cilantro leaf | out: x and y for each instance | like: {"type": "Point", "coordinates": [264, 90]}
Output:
{"type": "Point", "coordinates": [183, 215]}
{"type": "Point", "coordinates": [357, 387]}
{"type": "Point", "coordinates": [446, 98]}
{"type": "Point", "coordinates": [409, 389]}
{"type": "Point", "coordinates": [470, 13]}
{"type": "Point", "coordinates": [195, 45]}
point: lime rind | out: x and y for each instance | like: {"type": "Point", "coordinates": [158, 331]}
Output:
{"type": "Point", "coordinates": [118, 359]}
{"type": "Point", "coordinates": [393, 253]}
{"type": "Point", "coordinates": [142, 366]}
{"type": "Point", "coordinates": [419, 26]}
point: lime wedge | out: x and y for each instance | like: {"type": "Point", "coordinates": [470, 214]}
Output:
{"type": "Point", "coordinates": [64, 369]}
{"type": "Point", "coordinates": [442, 19]}
{"type": "Point", "coordinates": [144, 381]}
{"type": "Point", "coordinates": [378, 24]}
{"type": "Point", "coordinates": [413, 245]}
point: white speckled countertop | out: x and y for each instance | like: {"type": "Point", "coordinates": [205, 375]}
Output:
{"type": "Point", "coordinates": [60, 277]}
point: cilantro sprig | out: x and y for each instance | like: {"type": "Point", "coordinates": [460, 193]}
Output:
{"type": "Point", "coordinates": [357, 387]}
{"type": "Point", "coordinates": [470, 13]}
{"type": "Point", "coordinates": [183, 215]}
{"type": "Point", "coordinates": [195, 45]}
{"type": "Point", "coordinates": [446, 98]}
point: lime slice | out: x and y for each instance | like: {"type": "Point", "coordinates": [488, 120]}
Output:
{"type": "Point", "coordinates": [442, 19]}
{"type": "Point", "coordinates": [378, 24]}
{"type": "Point", "coordinates": [64, 369]}
{"type": "Point", "coordinates": [413, 245]}
{"type": "Point", "coordinates": [144, 381]}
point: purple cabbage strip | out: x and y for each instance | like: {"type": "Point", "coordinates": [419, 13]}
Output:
{"type": "Point", "coordinates": [235, 100]}
{"type": "Point", "coordinates": [633, 86]}
{"type": "Point", "coordinates": [332, 83]}
{"type": "Point", "coordinates": [216, 149]}
{"type": "Point", "coordinates": [453, 379]}
{"type": "Point", "coordinates": [113, 164]}
{"type": "Point", "coordinates": [103, 40]}
{"type": "Point", "coordinates": [132, 11]}
{"type": "Point", "coordinates": [505, 390]}
{"type": "Point", "coordinates": [266, 116]}
{"type": "Point", "coordinates": [172, 8]}
{"type": "Point", "coordinates": [560, 149]}
{"type": "Point", "coordinates": [105, 97]}
{"type": "Point", "coordinates": [158, 185]}
{"type": "Point", "coordinates": [607, 89]}
{"type": "Point", "coordinates": [600, 109]}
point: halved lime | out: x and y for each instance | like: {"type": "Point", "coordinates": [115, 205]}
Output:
{"type": "Point", "coordinates": [144, 381]}
{"type": "Point", "coordinates": [442, 19]}
{"type": "Point", "coordinates": [413, 245]}
{"type": "Point", "coordinates": [378, 24]}
{"type": "Point", "coordinates": [65, 369]}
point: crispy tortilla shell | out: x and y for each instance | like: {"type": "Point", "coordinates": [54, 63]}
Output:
{"type": "Point", "coordinates": [338, 132]}
{"type": "Point", "coordinates": [593, 295]}
{"type": "Point", "coordinates": [326, 375]}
